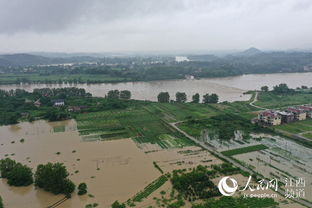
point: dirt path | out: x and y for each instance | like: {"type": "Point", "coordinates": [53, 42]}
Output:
{"type": "Point", "coordinates": [255, 99]}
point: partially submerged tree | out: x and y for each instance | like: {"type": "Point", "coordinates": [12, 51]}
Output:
{"type": "Point", "coordinates": [53, 178]}
{"type": "Point", "coordinates": [82, 189]}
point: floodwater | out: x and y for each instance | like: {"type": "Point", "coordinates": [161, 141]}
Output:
{"type": "Point", "coordinates": [113, 170]}
{"type": "Point", "coordinates": [228, 89]}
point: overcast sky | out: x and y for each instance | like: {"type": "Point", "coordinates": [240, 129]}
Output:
{"type": "Point", "coordinates": [153, 25]}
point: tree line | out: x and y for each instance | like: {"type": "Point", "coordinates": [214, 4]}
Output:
{"type": "Point", "coordinates": [180, 97]}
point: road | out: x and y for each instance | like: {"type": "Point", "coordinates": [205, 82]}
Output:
{"type": "Point", "coordinates": [210, 149]}
{"type": "Point", "coordinates": [255, 99]}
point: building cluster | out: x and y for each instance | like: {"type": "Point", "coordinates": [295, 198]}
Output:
{"type": "Point", "coordinates": [278, 117]}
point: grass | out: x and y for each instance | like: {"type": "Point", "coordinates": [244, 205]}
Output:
{"type": "Point", "coordinates": [244, 150]}
{"type": "Point", "coordinates": [271, 100]}
{"type": "Point", "coordinates": [308, 135]}
{"type": "Point", "coordinates": [297, 127]}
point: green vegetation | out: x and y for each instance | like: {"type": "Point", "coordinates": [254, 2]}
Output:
{"type": "Point", "coordinates": [195, 184]}
{"type": "Point", "coordinates": [282, 96]}
{"type": "Point", "coordinates": [138, 122]}
{"type": "Point", "coordinates": [149, 189]}
{"type": "Point", "coordinates": [16, 173]}
{"type": "Point", "coordinates": [82, 189]}
{"type": "Point", "coordinates": [231, 202]}
{"type": "Point", "coordinates": [163, 97]}
{"type": "Point", "coordinates": [116, 204]}
{"type": "Point", "coordinates": [181, 97]}
{"type": "Point", "coordinates": [244, 150]}
{"type": "Point", "coordinates": [53, 178]}
{"type": "Point", "coordinates": [221, 126]}
{"type": "Point", "coordinates": [308, 135]}
{"type": "Point", "coordinates": [297, 127]}
{"type": "Point", "coordinates": [157, 167]}
{"type": "Point", "coordinates": [213, 98]}
{"type": "Point", "coordinates": [28, 68]}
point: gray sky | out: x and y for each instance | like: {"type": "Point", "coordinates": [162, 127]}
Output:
{"type": "Point", "coordinates": [153, 25]}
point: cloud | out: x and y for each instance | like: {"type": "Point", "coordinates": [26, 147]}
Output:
{"type": "Point", "coordinates": [118, 25]}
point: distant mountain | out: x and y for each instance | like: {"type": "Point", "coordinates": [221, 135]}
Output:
{"type": "Point", "coordinates": [249, 52]}
{"type": "Point", "coordinates": [23, 59]}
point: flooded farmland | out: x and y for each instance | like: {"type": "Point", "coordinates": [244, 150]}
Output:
{"type": "Point", "coordinates": [113, 170]}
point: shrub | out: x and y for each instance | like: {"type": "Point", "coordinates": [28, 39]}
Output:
{"type": "Point", "coordinates": [82, 189]}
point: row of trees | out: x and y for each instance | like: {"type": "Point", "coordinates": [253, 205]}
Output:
{"type": "Point", "coordinates": [282, 89]}
{"type": "Point", "coordinates": [181, 97]}
{"type": "Point", "coordinates": [116, 94]}
{"type": "Point", "coordinates": [50, 177]}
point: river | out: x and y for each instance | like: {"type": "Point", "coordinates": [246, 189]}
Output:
{"type": "Point", "coordinates": [228, 88]}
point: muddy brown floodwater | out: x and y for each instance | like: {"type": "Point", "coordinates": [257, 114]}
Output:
{"type": "Point", "coordinates": [113, 170]}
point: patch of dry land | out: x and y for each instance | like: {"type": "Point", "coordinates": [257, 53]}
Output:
{"type": "Point", "coordinates": [113, 170]}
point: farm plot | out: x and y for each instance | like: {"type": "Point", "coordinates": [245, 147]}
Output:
{"type": "Point", "coordinates": [297, 127]}
{"type": "Point", "coordinates": [244, 150]}
{"type": "Point", "coordinates": [141, 125]}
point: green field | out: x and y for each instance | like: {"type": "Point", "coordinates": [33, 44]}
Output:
{"type": "Point", "coordinates": [271, 100]}
{"type": "Point", "coordinates": [139, 124]}
{"type": "Point", "coordinates": [297, 127]}
{"type": "Point", "coordinates": [308, 135]}
{"type": "Point", "coordinates": [244, 150]}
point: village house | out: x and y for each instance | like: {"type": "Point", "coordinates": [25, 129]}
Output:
{"type": "Point", "coordinates": [58, 103]}
{"type": "Point", "coordinates": [299, 115]}
{"type": "Point", "coordinates": [286, 117]}
{"type": "Point", "coordinates": [271, 118]}
{"type": "Point", "coordinates": [307, 109]}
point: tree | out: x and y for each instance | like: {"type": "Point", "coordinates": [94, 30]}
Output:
{"type": "Point", "coordinates": [116, 204]}
{"type": "Point", "coordinates": [69, 187]}
{"type": "Point", "coordinates": [213, 98]}
{"type": "Point", "coordinates": [125, 94]}
{"type": "Point", "coordinates": [16, 173]}
{"type": "Point", "coordinates": [195, 98]}
{"type": "Point", "coordinates": [113, 94]}
{"type": "Point", "coordinates": [264, 88]}
{"type": "Point", "coordinates": [82, 189]}
{"type": "Point", "coordinates": [181, 97]}
{"type": "Point", "coordinates": [53, 178]}
{"type": "Point", "coordinates": [20, 175]}
{"type": "Point", "coordinates": [282, 89]}
{"type": "Point", "coordinates": [163, 97]}
{"type": "Point", "coordinates": [6, 166]}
